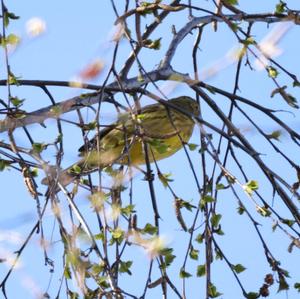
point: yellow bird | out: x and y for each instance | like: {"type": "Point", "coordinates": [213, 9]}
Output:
{"type": "Point", "coordinates": [163, 129]}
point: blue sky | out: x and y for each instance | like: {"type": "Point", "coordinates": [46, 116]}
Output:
{"type": "Point", "coordinates": [77, 33]}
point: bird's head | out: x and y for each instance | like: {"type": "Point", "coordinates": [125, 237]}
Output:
{"type": "Point", "coordinates": [187, 104]}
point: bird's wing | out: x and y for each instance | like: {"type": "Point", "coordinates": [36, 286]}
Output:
{"type": "Point", "coordinates": [160, 123]}
{"type": "Point", "coordinates": [91, 144]}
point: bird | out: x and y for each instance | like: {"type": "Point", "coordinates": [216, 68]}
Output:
{"type": "Point", "coordinates": [163, 128]}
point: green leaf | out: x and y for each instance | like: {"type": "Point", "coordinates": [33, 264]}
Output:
{"type": "Point", "coordinates": [99, 237]}
{"type": "Point", "coordinates": [219, 231]}
{"type": "Point", "coordinates": [184, 274]}
{"type": "Point", "coordinates": [231, 2]}
{"type": "Point", "coordinates": [208, 198]}
{"type": "Point", "coordinates": [274, 135]}
{"type": "Point", "coordinates": [252, 295]}
{"type": "Point", "coordinates": [102, 281]}
{"type": "Point", "coordinates": [159, 145]}
{"type": "Point", "coordinates": [263, 211]}
{"type": "Point", "coordinates": [3, 42]}
{"type": "Point", "coordinates": [165, 178]}
{"type": "Point", "coordinates": [141, 116]}
{"type": "Point", "coordinates": [212, 291]}
{"type": "Point", "coordinates": [209, 186]}
{"type": "Point", "coordinates": [34, 172]}
{"type": "Point", "coordinates": [220, 186]}
{"type": "Point", "coordinates": [291, 100]}
{"type": "Point", "coordinates": [146, 11]}
{"type": "Point", "coordinates": [215, 219]}
{"type": "Point", "coordinates": [12, 39]}
{"type": "Point", "coordinates": [272, 72]}
{"type": "Point", "coordinates": [184, 204]}
{"type": "Point", "coordinates": [241, 210]}
{"type": "Point", "coordinates": [125, 266]}
{"type": "Point", "coordinates": [4, 164]}
{"type": "Point", "coordinates": [283, 285]}
{"type": "Point", "coordinates": [297, 286]}
{"type": "Point", "coordinates": [199, 239]}
{"type": "Point", "coordinates": [248, 41]}
{"type": "Point", "coordinates": [149, 229]}
{"type": "Point", "coordinates": [16, 101]}
{"type": "Point", "coordinates": [9, 16]}
{"type": "Point", "coordinates": [288, 222]}
{"type": "Point", "coordinates": [192, 146]}
{"type": "Point", "coordinates": [12, 79]}
{"type": "Point", "coordinates": [59, 138]}
{"type": "Point", "coordinates": [194, 254]}
{"type": "Point", "coordinates": [234, 26]}
{"type": "Point", "coordinates": [67, 273]}
{"type": "Point", "coordinates": [284, 272]}
{"type": "Point", "coordinates": [118, 235]}
{"type": "Point", "coordinates": [152, 44]}
{"type": "Point", "coordinates": [296, 83]}
{"type": "Point", "coordinates": [97, 269]}
{"type": "Point", "coordinates": [238, 268]}
{"type": "Point", "coordinates": [19, 114]}
{"type": "Point", "coordinates": [219, 255]}
{"type": "Point", "coordinates": [204, 200]}
{"type": "Point", "coordinates": [201, 270]}
{"type": "Point", "coordinates": [169, 258]}
{"type": "Point", "coordinates": [202, 150]}
{"type": "Point", "coordinates": [76, 169]}
{"type": "Point", "coordinates": [38, 147]}
{"type": "Point", "coordinates": [128, 210]}
{"type": "Point", "coordinates": [250, 186]}
{"type": "Point", "coordinates": [280, 7]}
{"type": "Point", "coordinates": [140, 78]}
{"type": "Point", "coordinates": [146, 4]}
{"type": "Point", "coordinates": [165, 251]}
{"type": "Point", "coordinates": [90, 126]}
{"type": "Point", "coordinates": [56, 110]}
